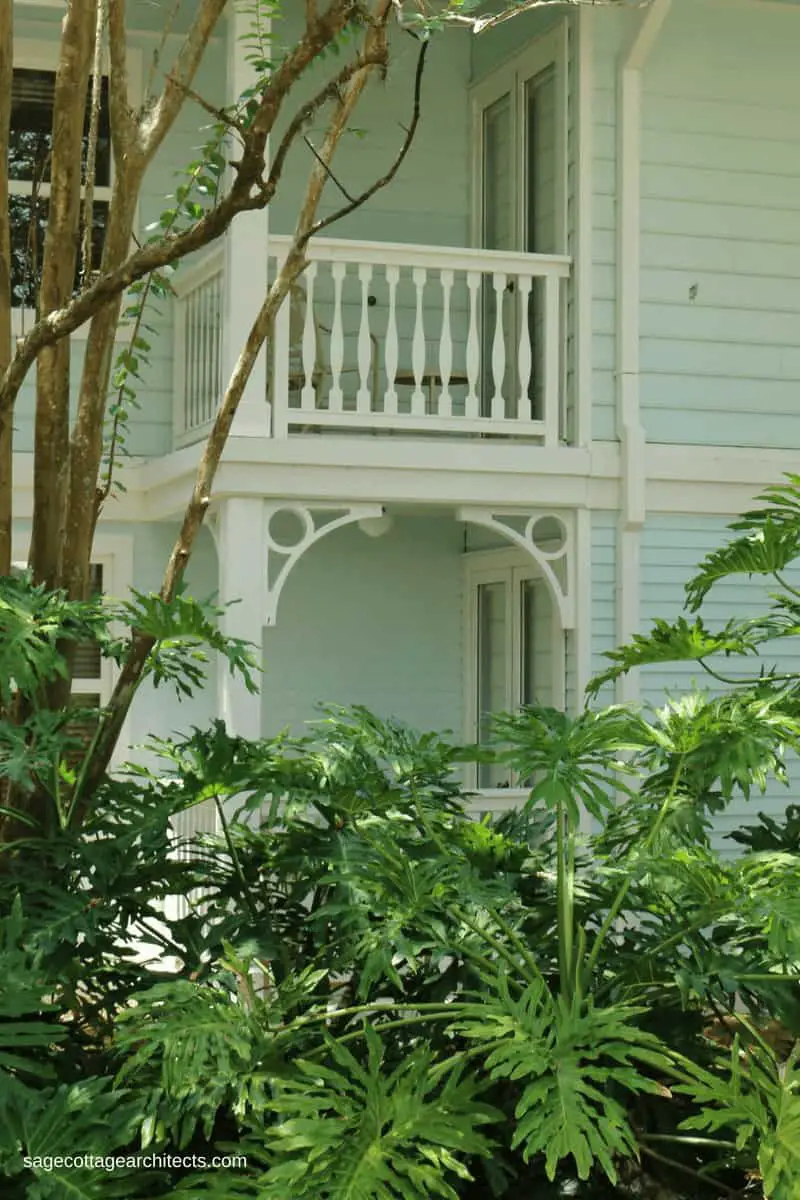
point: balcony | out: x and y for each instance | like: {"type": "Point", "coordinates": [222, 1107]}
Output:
{"type": "Point", "coordinates": [392, 339]}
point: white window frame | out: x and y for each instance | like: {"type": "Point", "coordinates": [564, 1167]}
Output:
{"type": "Point", "coordinates": [115, 555]}
{"type": "Point", "coordinates": [36, 54]}
{"type": "Point", "coordinates": [512, 567]}
{"type": "Point", "coordinates": [510, 77]}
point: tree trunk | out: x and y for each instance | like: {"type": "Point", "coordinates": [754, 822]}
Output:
{"type": "Point", "coordinates": [86, 445]}
{"type": "Point", "coordinates": [51, 433]}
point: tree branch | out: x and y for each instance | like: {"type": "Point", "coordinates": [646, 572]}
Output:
{"type": "Point", "coordinates": [155, 58]}
{"type": "Point", "coordinates": [331, 91]}
{"type": "Point", "coordinates": [357, 201]}
{"type": "Point", "coordinates": [163, 113]}
{"type": "Point", "coordinates": [330, 173]}
{"type": "Point", "coordinates": [375, 48]}
{"type": "Point", "coordinates": [481, 24]}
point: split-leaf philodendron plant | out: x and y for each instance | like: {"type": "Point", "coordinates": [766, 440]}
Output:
{"type": "Point", "coordinates": [351, 991]}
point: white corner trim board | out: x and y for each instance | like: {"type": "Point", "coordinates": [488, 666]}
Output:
{"type": "Point", "coordinates": [583, 62]}
{"type": "Point", "coordinates": [630, 430]}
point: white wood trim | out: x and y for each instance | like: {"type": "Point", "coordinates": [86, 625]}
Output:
{"type": "Point", "coordinates": [584, 197]}
{"type": "Point", "coordinates": [406, 254]}
{"type": "Point", "coordinates": [629, 421]}
{"type": "Point", "coordinates": [628, 603]}
{"type": "Point", "coordinates": [246, 247]}
{"type": "Point", "coordinates": [240, 540]}
{"type": "Point", "coordinates": [198, 271]}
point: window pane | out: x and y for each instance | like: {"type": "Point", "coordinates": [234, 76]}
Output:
{"type": "Point", "coordinates": [498, 225]}
{"type": "Point", "coordinates": [536, 652]}
{"type": "Point", "coordinates": [492, 669]}
{"type": "Point", "coordinates": [528, 638]}
{"type": "Point", "coordinates": [32, 95]}
{"type": "Point", "coordinates": [498, 234]}
{"type": "Point", "coordinates": [28, 225]}
{"type": "Point", "coordinates": [541, 163]}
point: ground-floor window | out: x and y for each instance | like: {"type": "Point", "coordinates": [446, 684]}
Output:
{"type": "Point", "coordinates": [515, 646]}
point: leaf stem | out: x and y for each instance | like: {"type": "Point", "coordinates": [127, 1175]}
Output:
{"type": "Point", "coordinates": [619, 899]}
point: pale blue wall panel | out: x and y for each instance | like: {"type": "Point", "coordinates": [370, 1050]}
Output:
{"type": "Point", "coordinates": [374, 621]}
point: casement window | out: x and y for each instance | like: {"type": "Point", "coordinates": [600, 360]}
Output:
{"type": "Point", "coordinates": [515, 647]}
{"type": "Point", "coordinates": [29, 169]}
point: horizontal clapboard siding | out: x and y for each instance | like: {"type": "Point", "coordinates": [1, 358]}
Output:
{"type": "Point", "coordinates": [671, 549]}
{"type": "Point", "coordinates": [604, 583]}
{"type": "Point", "coordinates": [720, 235]}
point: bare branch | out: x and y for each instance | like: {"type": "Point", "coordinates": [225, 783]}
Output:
{"type": "Point", "coordinates": [219, 114]}
{"type": "Point", "coordinates": [481, 24]}
{"type": "Point", "coordinates": [331, 91]}
{"type": "Point", "coordinates": [155, 128]}
{"type": "Point", "coordinates": [6, 419]}
{"type": "Point", "coordinates": [155, 59]}
{"type": "Point", "coordinates": [375, 47]}
{"type": "Point", "coordinates": [325, 167]}
{"type": "Point", "coordinates": [357, 201]}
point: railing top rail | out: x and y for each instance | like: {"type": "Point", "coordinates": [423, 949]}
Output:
{"type": "Point", "coordinates": [403, 254]}
{"type": "Point", "coordinates": [188, 278]}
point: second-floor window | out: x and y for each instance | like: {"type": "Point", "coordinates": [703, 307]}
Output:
{"type": "Point", "coordinates": [29, 174]}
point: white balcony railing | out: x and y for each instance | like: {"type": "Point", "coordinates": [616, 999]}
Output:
{"type": "Point", "coordinates": [197, 354]}
{"type": "Point", "coordinates": [393, 338]}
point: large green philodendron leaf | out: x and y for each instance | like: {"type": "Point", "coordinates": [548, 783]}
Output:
{"type": "Point", "coordinates": [769, 542]}
{"type": "Point", "coordinates": [679, 641]}
{"type": "Point", "coordinates": [757, 1100]}
{"type": "Point", "coordinates": [41, 1132]}
{"type": "Point", "coordinates": [349, 1131]}
{"type": "Point", "coordinates": [33, 624]}
{"type": "Point", "coordinates": [25, 1030]}
{"type": "Point", "coordinates": [565, 1062]}
{"type": "Point", "coordinates": [198, 1049]}
{"type": "Point", "coordinates": [575, 759]}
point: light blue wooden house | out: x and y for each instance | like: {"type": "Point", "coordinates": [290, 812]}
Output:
{"type": "Point", "coordinates": [515, 398]}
